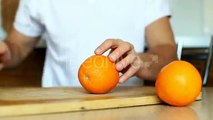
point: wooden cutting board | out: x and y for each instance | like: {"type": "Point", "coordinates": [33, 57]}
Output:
{"type": "Point", "coordinates": [25, 101]}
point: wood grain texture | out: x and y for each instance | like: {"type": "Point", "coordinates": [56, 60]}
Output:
{"type": "Point", "coordinates": [25, 101]}
{"type": "Point", "coordinates": [199, 110]}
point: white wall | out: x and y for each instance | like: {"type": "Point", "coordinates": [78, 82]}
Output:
{"type": "Point", "coordinates": [208, 16]}
{"type": "Point", "coordinates": [187, 19]}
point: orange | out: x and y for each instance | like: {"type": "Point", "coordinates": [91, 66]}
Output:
{"type": "Point", "coordinates": [97, 74]}
{"type": "Point", "coordinates": [178, 83]}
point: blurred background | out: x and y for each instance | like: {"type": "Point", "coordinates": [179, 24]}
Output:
{"type": "Point", "coordinates": [192, 22]}
{"type": "Point", "coordinates": [192, 17]}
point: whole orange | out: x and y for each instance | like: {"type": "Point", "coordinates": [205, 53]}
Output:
{"type": "Point", "coordinates": [97, 74]}
{"type": "Point", "coordinates": [178, 83]}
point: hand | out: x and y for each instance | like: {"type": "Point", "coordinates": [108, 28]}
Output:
{"type": "Point", "coordinates": [5, 55]}
{"type": "Point", "coordinates": [123, 54]}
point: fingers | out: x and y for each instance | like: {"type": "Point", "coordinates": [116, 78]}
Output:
{"type": "Point", "coordinates": [2, 48]}
{"type": "Point", "coordinates": [4, 54]}
{"type": "Point", "coordinates": [123, 54]}
{"type": "Point", "coordinates": [123, 48]}
{"type": "Point", "coordinates": [129, 59]}
{"type": "Point", "coordinates": [119, 48]}
{"type": "Point", "coordinates": [131, 71]}
{"type": "Point", "coordinates": [1, 66]}
{"type": "Point", "coordinates": [106, 45]}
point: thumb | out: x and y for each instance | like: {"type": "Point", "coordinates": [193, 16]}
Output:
{"type": "Point", "coordinates": [4, 53]}
{"type": "Point", "coordinates": [1, 66]}
{"type": "Point", "coordinates": [3, 48]}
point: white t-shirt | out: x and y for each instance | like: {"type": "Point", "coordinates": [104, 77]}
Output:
{"type": "Point", "coordinates": [75, 28]}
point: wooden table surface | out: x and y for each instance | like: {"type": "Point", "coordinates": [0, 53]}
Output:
{"type": "Point", "coordinates": [199, 110]}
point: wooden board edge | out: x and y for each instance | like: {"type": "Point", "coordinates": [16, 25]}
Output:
{"type": "Point", "coordinates": [31, 109]}
{"type": "Point", "coordinates": [55, 107]}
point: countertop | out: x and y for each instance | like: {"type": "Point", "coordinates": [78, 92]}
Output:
{"type": "Point", "coordinates": [199, 110]}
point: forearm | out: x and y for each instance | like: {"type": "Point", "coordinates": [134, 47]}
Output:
{"type": "Point", "coordinates": [19, 46]}
{"type": "Point", "coordinates": [16, 54]}
{"type": "Point", "coordinates": [153, 60]}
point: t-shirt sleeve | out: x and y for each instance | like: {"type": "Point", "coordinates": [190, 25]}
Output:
{"type": "Point", "coordinates": [157, 9]}
{"type": "Point", "coordinates": [27, 19]}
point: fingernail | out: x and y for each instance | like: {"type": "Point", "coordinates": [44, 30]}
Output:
{"type": "Point", "coordinates": [112, 57]}
{"type": "Point", "coordinates": [98, 51]}
{"type": "Point", "coordinates": [121, 80]}
{"type": "Point", "coordinates": [119, 66]}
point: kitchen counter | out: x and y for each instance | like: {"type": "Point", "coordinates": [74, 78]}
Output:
{"type": "Point", "coordinates": [199, 110]}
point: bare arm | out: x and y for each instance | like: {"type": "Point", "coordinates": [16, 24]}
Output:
{"type": "Point", "coordinates": [15, 48]}
{"type": "Point", "coordinates": [161, 49]}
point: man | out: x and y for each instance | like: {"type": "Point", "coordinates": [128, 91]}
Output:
{"type": "Point", "coordinates": [74, 28]}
